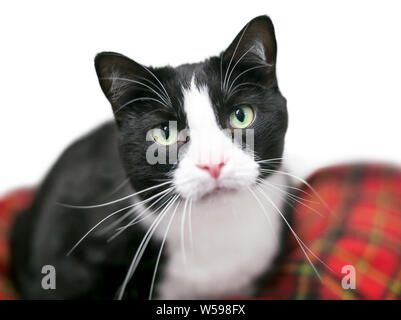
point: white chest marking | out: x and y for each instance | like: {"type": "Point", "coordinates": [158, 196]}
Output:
{"type": "Point", "coordinates": [233, 243]}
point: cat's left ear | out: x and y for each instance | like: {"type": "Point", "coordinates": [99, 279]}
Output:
{"type": "Point", "coordinates": [255, 43]}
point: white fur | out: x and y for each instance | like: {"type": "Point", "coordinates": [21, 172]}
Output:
{"type": "Point", "coordinates": [234, 239]}
{"type": "Point", "coordinates": [209, 144]}
{"type": "Point", "coordinates": [233, 243]}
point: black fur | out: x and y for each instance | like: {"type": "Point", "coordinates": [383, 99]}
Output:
{"type": "Point", "coordinates": [90, 169]}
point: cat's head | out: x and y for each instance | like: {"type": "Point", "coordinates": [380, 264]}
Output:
{"type": "Point", "coordinates": [204, 128]}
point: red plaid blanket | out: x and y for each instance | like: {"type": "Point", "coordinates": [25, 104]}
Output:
{"type": "Point", "coordinates": [360, 228]}
{"type": "Point", "coordinates": [9, 206]}
{"type": "Point", "coordinates": [351, 221]}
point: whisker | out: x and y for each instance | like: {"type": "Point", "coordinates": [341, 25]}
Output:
{"type": "Point", "coordinates": [221, 71]}
{"type": "Point", "coordinates": [182, 231]}
{"type": "Point", "coordinates": [293, 232]}
{"type": "Point", "coordinates": [293, 188]}
{"type": "Point", "coordinates": [140, 83]}
{"type": "Point", "coordinates": [232, 56]}
{"type": "Point", "coordinates": [161, 250]}
{"type": "Point", "coordinates": [292, 197]}
{"type": "Point", "coordinates": [106, 218]}
{"type": "Point", "coordinates": [94, 227]}
{"type": "Point", "coordinates": [245, 71]}
{"type": "Point", "coordinates": [115, 201]}
{"type": "Point", "coordinates": [301, 180]}
{"type": "Point", "coordinates": [269, 160]}
{"type": "Point", "coordinates": [191, 238]}
{"type": "Point", "coordinates": [138, 218]}
{"type": "Point", "coordinates": [113, 225]}
{"type": "Point", "coordinates": [238, 61]}
{"type": "Point", "coordinates": [302, 245]}
{"type": "Point", "coordinates": [142, 247]}
{"type": "Point", "coordinates": [119, 187]}
{"type": "Point", "coordinates": [161, 85]}
{"type": "Point", "coordinates": [140, 99]}
{"type": "Point", "coordinates": [231, 93]}
{"type": "Point", "coordinates": [265, 213]}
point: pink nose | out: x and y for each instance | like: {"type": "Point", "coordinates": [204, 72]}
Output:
{"type": "Point", "coordinates": [213, 169]}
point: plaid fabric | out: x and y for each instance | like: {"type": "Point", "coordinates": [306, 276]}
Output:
{"type": "Point", "coordinates": [355, 220]}
{"type": "Point", "coordinates": [360, 227]}
{"type": "Point", "coordinates": [9, 206]}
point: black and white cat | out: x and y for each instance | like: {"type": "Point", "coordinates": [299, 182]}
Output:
{"type": "Point", "coordinates": [201, 212]}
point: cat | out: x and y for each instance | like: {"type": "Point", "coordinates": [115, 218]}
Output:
{"type": "Point", "coordinates": [181, 196]}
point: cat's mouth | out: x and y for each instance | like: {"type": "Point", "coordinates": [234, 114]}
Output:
{"type": "Point", "coordinates": [218, 191]}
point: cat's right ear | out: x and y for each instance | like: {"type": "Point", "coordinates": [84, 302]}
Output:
{"type": "Point", "coordinates": [255, 43]}
{"type": "Point", "coordinates": [117, 74]}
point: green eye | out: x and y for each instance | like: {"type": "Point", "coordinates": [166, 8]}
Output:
{"type": "Point", "coordinates": [164, 135]}
{"type": "Point", "coordinates": [241, 117]}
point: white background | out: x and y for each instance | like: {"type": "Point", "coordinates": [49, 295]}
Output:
{"type": "Point", "coordinates": [339, 66]}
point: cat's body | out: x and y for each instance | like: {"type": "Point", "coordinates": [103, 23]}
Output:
{"type": "Point", "coordinates": [41, 236]}
{"type": "Point", "coordinates": [216, 211]}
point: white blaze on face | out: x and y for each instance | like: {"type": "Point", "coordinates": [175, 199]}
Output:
{"type": "Point", "coordinates": [209, 145]}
